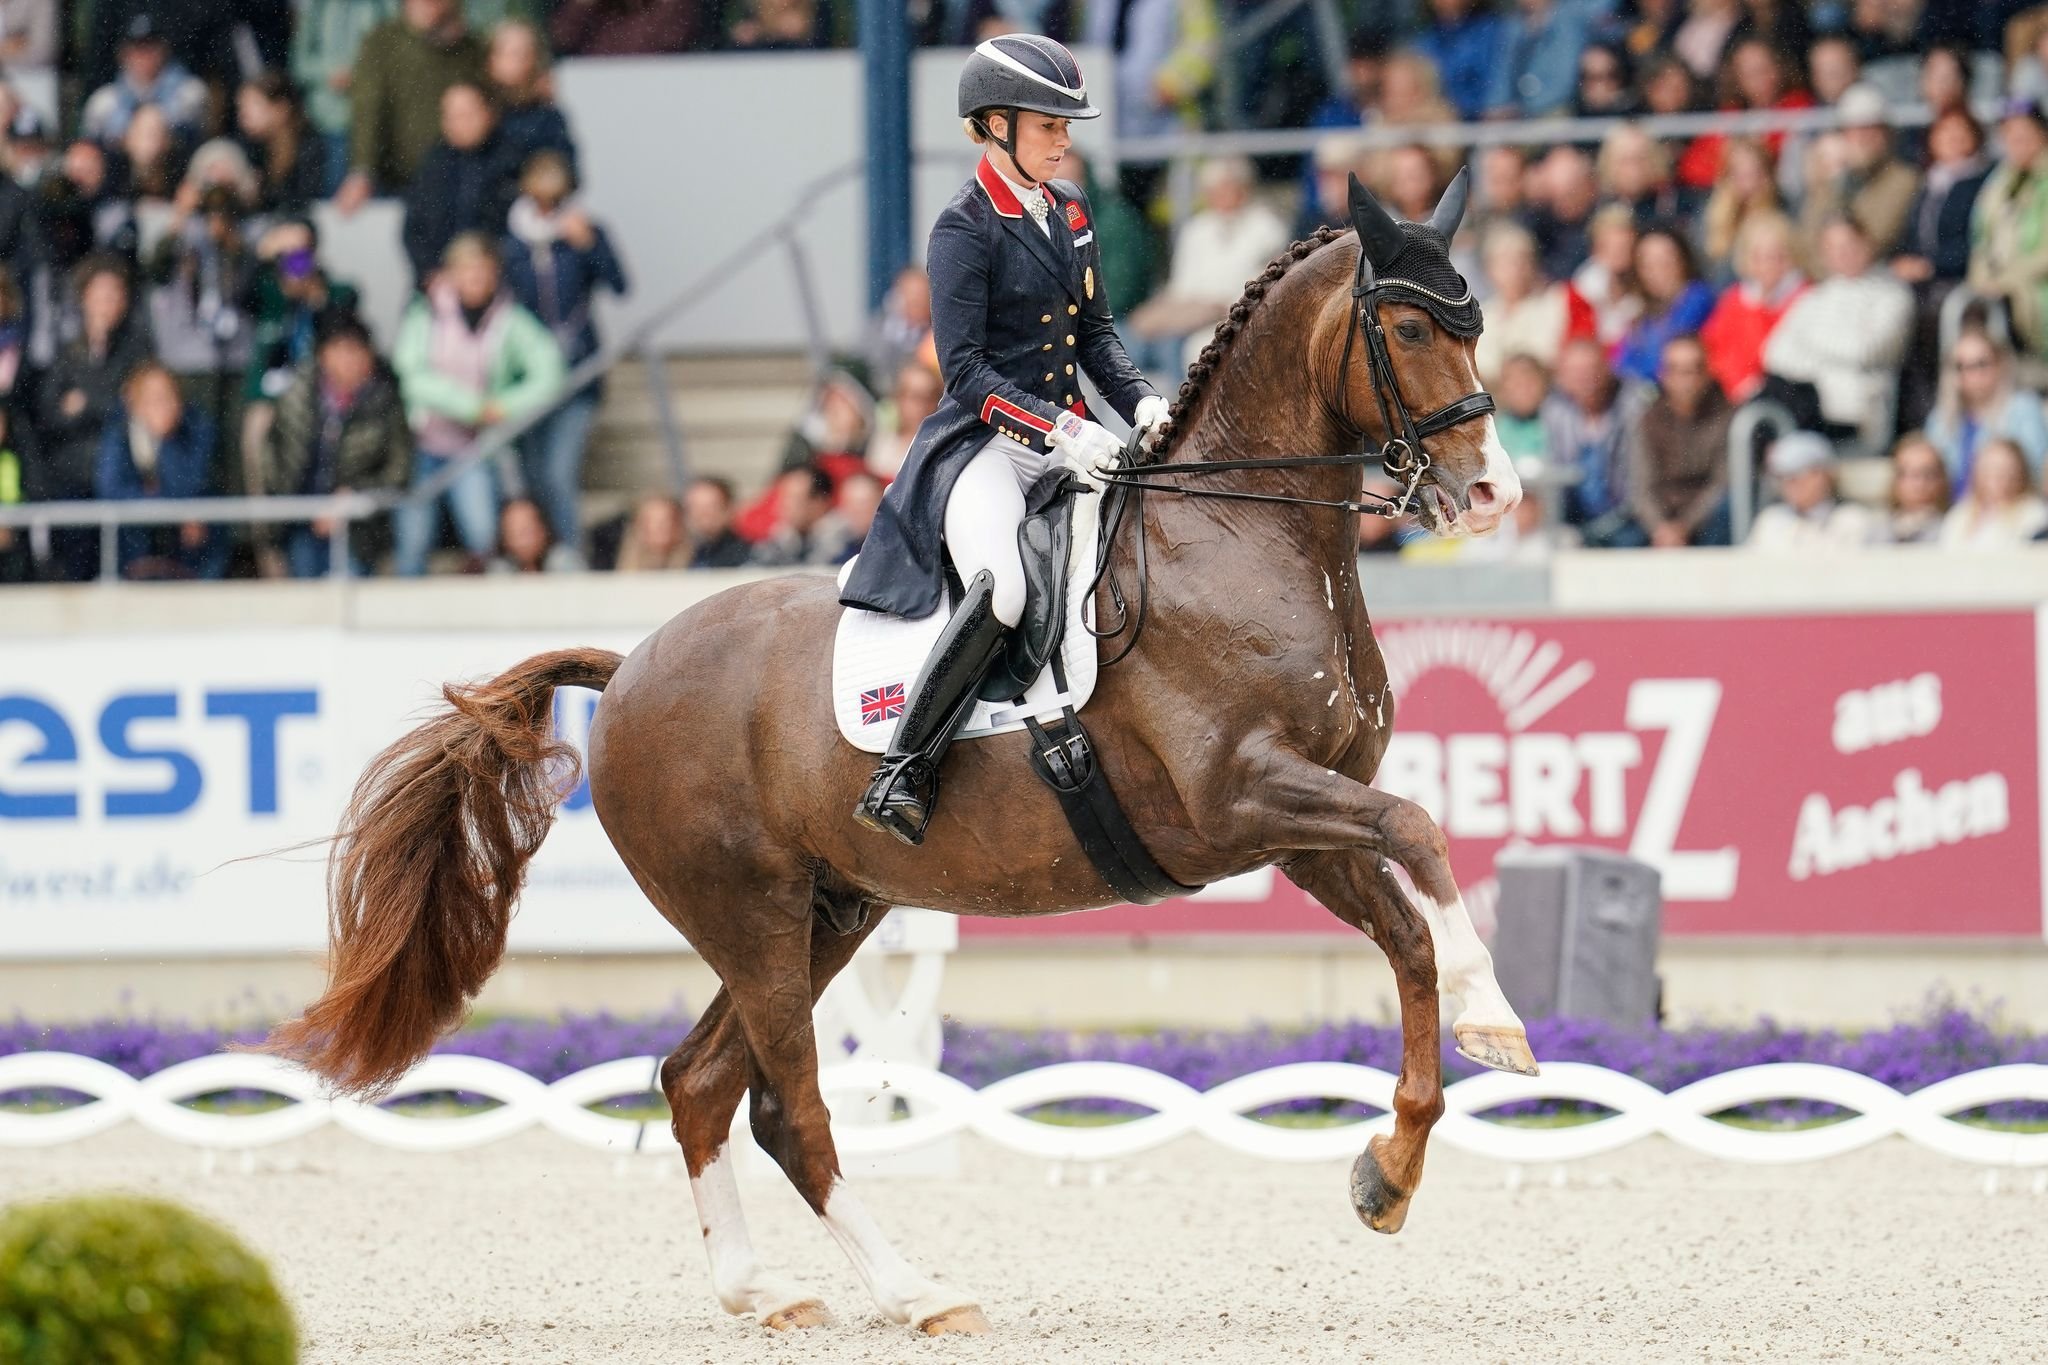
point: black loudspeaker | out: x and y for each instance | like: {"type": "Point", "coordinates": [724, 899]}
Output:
{"type": "Point", "coordinates": [1576, 935]}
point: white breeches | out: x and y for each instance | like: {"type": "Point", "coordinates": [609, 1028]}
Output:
{"type": "Point", "coordinates": [983, 514]}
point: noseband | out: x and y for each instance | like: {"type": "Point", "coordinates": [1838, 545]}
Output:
{"type": "Point", "coordinates": [1403, 457]}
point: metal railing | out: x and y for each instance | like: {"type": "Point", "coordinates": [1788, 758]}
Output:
{"type": "Point", "coordinates": [1536, 132]}
{"type": "Point", "coordinates": [347, 509]}
{"type": "Point", "coordinates": [1756, 415]}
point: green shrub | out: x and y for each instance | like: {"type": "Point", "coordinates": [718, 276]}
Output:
{"type": "Point", "coordinates": [123, 1280]}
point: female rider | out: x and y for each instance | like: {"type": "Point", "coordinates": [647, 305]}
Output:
{"type": "Point", "coordinates": [1018, 304]}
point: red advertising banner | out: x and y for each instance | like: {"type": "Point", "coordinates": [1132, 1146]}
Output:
{"type": "Point", "coordinates": [1854, 775]}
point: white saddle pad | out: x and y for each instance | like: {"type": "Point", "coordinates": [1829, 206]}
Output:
{"type": "Point", "coordinates": [876, 657]}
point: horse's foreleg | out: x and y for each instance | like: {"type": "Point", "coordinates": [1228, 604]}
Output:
{"type": "Point", "coordinates": [1358, 889]}
{"type": "Point", "coordinates": [1313, 808]}
{"type": "Point", "coordinates": [792, 1124]}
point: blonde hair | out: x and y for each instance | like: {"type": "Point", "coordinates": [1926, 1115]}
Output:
{"type": "Point", "coordinates": [471, 246]}
{"type": "Point", "coordinates": [1611, 149]}
{"type": "Point", "coordinates": [1726, 216]}
{"type": "Point", "coordinates": [974, 133]}
{"type": "Point", "coordinates": [1761, 223]}
{"type": "Point", "coordinates": [1610, 216]}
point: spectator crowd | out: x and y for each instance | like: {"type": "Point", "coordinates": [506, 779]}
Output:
{"type": "Point", "coordinates": [171, 328]}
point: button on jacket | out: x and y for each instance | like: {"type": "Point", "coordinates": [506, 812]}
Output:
{"type": "Point", "coordinates": [1015, 311]}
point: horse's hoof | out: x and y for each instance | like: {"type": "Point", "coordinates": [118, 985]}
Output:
{"type": "Point", "coordinates": [956, 1322]}
{"type": "Point", "coordinates": [796, 1317]}
{"type": "Point", "coordinates": [1381, 1205]}
{"type": "Point", "coordinates": [1503, 1049]}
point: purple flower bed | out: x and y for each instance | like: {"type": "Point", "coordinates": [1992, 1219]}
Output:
{"type": "Point", "coordinates": [1944, 1041]}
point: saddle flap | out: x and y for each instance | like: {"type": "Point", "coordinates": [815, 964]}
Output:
{"type": "Point", "coordinates": [876, 656]}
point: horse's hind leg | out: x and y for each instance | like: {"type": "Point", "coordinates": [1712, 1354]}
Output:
{"type": "Point", "coordinates": [1360, 890]}
{"type": "Point", "coordinates": [703, 1080]}
{"type": "Point", "coordinates": [792, 1125]}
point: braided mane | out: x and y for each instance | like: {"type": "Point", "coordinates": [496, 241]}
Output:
{"type": "Point", "coordinates": [1204, 368]}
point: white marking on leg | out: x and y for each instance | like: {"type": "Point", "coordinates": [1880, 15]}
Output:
{"type": "Point", "coordinates": [1464, 969]}
{"type": "Point", "coordinates": [736, 1275]}
{"type": "Point", "coordinates": [904, 1295]}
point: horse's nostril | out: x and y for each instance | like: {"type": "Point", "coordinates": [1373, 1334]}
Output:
{"type": "Point", "coordinates": [1484, 496]}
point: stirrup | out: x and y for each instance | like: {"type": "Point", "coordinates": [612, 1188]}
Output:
{"type": "Point", "coordinates": [899, 798]}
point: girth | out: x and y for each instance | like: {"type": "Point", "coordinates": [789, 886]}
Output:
{"type": "Point", "coordinates": [1064, 758]}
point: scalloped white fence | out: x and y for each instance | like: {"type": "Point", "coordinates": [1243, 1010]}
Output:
{"type": "Point", "coordinates": [940, 1107]}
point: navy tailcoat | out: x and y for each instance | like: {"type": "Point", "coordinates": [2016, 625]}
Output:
{"type": "Point", "coordinates": [1014, 312]}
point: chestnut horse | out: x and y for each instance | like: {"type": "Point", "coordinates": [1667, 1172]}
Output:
{"type": "Point", "coordinates": [1242, 730]}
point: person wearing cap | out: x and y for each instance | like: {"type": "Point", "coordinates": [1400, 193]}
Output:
{"type": "Point", "coordinates": [1808, 515]}
{"type": "Point", "coordinates": [1855, 172]}
{"type": "Point", "coordinates": [149, 75]}
{"type": "Point", "coordinates": [1019, 312]}
{"type": "Point", "coordinates": [2009, 223]}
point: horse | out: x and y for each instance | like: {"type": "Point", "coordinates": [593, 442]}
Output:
{"type": "Point", "coordinates": [1241, 728]}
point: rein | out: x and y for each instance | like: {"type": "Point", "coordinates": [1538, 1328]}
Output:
{"type": "Point", "coordinates": [1403, 456]}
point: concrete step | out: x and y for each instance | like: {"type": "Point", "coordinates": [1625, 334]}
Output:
{"type": "Point", "coordinates": [735, 413]}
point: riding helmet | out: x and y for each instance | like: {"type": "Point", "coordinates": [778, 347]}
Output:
{"type": "Point", "coordinates": [1024, 71]}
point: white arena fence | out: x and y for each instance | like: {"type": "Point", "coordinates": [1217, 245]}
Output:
{"type": "Point", "coordinates": [865, 1095]}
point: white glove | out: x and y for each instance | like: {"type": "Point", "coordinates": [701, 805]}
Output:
{"type": "Point", "coordinates": [1089, 447]}
{"type": "Point", "coordinates": [1151, 411]}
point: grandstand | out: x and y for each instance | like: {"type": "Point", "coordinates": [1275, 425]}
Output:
{"type": "Point", "coordinates": [1838, 205]}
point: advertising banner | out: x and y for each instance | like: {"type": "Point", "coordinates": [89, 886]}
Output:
{"type": "Point", "coordinates": [168, 793]}
{"type": "Point", "coordinates": [1871, 774]}
{"type": "Point", "coordinates": [1814, 775]}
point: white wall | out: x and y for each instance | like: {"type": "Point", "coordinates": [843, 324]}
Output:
{"type": "Point", "coordinates": [686, 158]}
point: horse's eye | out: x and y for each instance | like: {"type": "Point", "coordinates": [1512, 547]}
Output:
{"type": "Point", "coordinates": [1411, 331]}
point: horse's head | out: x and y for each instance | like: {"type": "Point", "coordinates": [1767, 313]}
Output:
{"type": "Point", "coordinates": [1419, 367]}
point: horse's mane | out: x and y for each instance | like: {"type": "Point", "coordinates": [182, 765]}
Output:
{"type": "Point", "coordinates": [1204, 369]}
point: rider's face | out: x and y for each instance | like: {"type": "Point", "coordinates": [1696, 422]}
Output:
{"type": "Point", "coordinates": [1042, 142]}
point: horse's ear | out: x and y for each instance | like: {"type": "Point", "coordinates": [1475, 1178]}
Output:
{"type": "Point", "coordinates": [1378, 234]}
{"type": "Point", "coordinates": [1450, 210]}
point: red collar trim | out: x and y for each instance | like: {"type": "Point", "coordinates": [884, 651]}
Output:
{"type": "Point", "coordinates": [999, 192]}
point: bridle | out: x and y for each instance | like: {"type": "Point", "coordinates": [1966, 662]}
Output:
{"type": "Point", "coordinates": [1403, 457]}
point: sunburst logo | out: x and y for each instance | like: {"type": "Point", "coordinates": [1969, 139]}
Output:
{"type": "Point", "coordinates": [1525, 674]}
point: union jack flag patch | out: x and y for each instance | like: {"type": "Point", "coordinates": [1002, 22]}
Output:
{"type": "Point", "coordinates": [1076, 220]}
{"type": "Point", "coordinates": [881, 703]}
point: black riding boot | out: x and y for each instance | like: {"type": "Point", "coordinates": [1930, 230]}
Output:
{"type": "Point", "coordinates": [899, 799]}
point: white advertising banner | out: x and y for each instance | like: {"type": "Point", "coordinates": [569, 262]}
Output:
{"type": "Point", "coordinates": [165, 794]}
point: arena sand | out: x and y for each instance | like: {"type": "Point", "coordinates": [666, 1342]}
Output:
{"type": "Point", "coordinates": [535, 1250]}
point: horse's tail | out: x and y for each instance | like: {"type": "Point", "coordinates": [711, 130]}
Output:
{"type": "Point", "coordinates": [428, 860]}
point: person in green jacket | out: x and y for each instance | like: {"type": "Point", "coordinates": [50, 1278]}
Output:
{"type": "Point", "coordinates": [400, 71]}
{"type": "Point", "coordinates": [467, 358]}
{"type": "Point", "coordinates": [2009, 225]}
